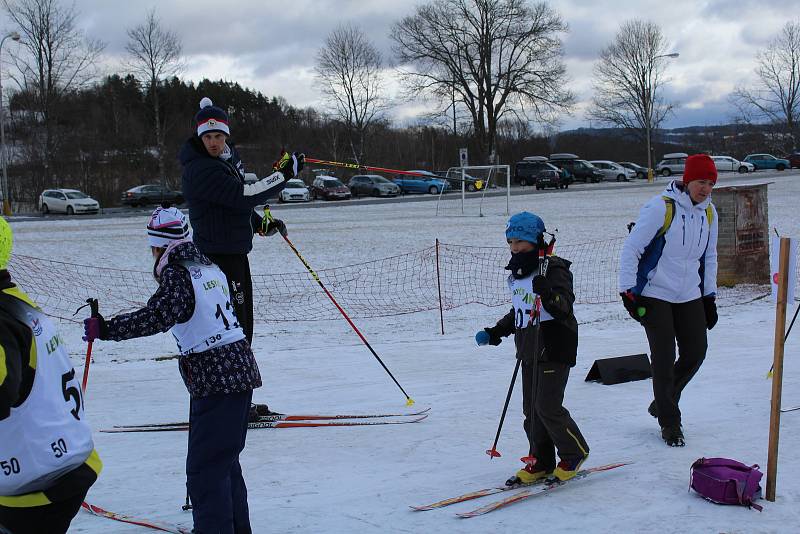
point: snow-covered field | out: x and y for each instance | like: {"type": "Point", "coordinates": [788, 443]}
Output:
{"type": "Point", "coordinates": [362, 479]}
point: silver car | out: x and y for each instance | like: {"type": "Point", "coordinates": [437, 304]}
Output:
{"type": "Point", "coordinates": [672, 163]}
{"type": "Point", "coordinates": [372, 185]}
{"type": "Point", "coordinates": [613, 172]}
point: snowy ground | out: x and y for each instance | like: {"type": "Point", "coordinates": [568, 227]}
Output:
{"type": "Point", "coordinates": [364, 479]}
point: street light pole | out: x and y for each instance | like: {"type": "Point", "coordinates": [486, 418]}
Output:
{"type": "Point", "coordinates": [649, 117]}
{"type": "Point", "coordinates": [6, 203]}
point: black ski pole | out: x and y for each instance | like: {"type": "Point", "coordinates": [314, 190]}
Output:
{"type": "Point", "coordinates": [785, 337]}
{"type": "Point", "coordinates": [530, 459]}
{"type": "Point", "coordinates": [493, 453]}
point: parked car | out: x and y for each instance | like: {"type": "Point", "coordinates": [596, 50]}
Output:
{"type": "Point", "coordinates": [142, 195]}
{"type": "Point", "coordinates": [454, 178]}
{"type": "Point", "coordinates": [526, 170]}
{"type": "Point", "coordinates": [372, 185]}
{"type": "Point", "coordinates": [641, 172]}
{"type": "Point", "coordinates": [767, 161]}
{"type": "Point", "coordinates": [613, 172]}
{"type": "Point", "coordinates": [578, 169]}
{"type": "Point", "coordinates": [672, 163]}
{"type": "Point", "coordinates": [794, 160]}
{"type": "Point", "coordinates": [295, 191]}
{"type": "Point", "coordinates": [69, 201]}
{"type": "Point", "coordinates": [729, 164]}
{"type": "Point", "coordinates": [329, 188]}
{"type": "Point", "coordinates": [426, 183]}
{"type": "Point", "coordinates": [551, 178]}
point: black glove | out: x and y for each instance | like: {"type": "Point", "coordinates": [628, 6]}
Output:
{"type": "Point", "coordinates": [542, 286]}
{"type": "Point", "coordinates": [274, 226]}
{"type": "Point", "coordinates": [635, 306]}
{"type": "Point", "coordinates": [494, 338]}
{"type": "Point", "coordinates": [290, 165]}
{"type": "Point", "coordinates": [710, 307]}
{"type": "Point", "coordinates": [522, 264]}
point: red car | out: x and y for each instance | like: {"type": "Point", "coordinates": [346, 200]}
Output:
{"type": "Point", "coordinates": [329, 188]}
{"type": "Point", "coordinates": [794, 160]}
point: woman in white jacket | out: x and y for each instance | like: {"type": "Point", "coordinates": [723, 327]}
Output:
{"type": "Point", "coordinates": [668, 283]}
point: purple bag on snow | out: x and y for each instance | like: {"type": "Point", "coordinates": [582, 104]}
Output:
{"type": "Point", "coordinates": [726, 481]}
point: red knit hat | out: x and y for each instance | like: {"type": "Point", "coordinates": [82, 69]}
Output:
{"type": "Point", "coordinates": [699, 167]}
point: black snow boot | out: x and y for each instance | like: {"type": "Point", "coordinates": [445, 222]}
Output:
{"type": "Point", "coordinates": [673, 436]}
{"type": "Point", "coordinates": [260, 410]}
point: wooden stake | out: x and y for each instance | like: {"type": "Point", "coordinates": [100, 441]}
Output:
{"type": "Point", "coordinates": [777, 376]}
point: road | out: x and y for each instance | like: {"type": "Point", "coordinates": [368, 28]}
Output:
{"type": "Point", "coordinates": [725, 179]}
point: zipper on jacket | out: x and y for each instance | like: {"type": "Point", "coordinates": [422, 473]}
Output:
{"type": "Point", "coordinates": [683, 216]}
{"type": "Point", "coordinates": [702, 223]}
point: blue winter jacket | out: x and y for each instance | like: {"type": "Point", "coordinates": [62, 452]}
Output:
{"type": "Point", "coordinates": [220, 203]}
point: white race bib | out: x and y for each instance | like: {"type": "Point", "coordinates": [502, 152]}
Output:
{"type": "Point", "coordinates": [213, 322]}
{"type": "Point", "coordinates": [524, 301]}
{"type": "Point", "coordinates": [47, 435]}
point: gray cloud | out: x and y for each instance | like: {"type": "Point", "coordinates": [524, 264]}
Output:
{"type": "Point", "coordinates": [271, 46]}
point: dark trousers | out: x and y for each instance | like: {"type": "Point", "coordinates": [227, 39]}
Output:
{"type": "Point", "coordinates": [553, 427]}
{"type": "Point", "coordinates": [665, 324]}
{"type": "Point", "coordinates": [52, 518]}
{"type": "Point", "coordinates": [237, 269]}
{"type": "Point", "coordinates": [217, 433]}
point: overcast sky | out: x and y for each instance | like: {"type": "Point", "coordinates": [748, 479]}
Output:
{"type": "Point", "coordinates": [270, 45]}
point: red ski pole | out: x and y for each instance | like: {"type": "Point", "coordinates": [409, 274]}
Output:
{"type": "Point", "coordinates": [268, 216]}
{"type": "Point", "coordinates": [357, 167]}
{"type": "Point", "coordinates": [95, 310]}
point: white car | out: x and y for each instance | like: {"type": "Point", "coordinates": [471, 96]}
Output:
{"type": "Point", "coordinates": [295, 191]}
{"type": "Point", "coordinates": [613, 172]}
{"type": "Point", "coordinates": [69, 201]}
{"type": "Point", "coordinates": [727, 163]}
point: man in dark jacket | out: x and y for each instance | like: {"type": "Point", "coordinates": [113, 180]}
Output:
{"type": "Point", "coordinates": [547, 350]}
{"type": "Point", "coordinates": [221, 204]}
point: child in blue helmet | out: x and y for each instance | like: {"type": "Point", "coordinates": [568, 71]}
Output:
{"type": "Point", "coordinates": [547, 352]}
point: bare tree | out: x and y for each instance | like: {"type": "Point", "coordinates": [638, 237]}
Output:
{"type": "Point", "coordinates": [54, 60]}
{"type": "Point", "coordinates": [155, 54]}
{"type": "Point", "coordinates": [776, 94]}
{"type": "Point", "coordinates": [494, 57]}
{"type": "Point", "coordinates": [628, 81]}
{"type": "Point", "coordinates": [349, 67]}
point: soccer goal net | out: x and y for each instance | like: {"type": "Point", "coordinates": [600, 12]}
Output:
{"type": "Point", "coordinates": [476, 190]}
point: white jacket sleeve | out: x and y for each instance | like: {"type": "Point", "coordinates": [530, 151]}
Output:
{"type": "Point", "coordinates": [650, 221]}
{"type": "Point", "coordinates": [272, 183]}
{"type": "Point", "coordinates": [710, 274]}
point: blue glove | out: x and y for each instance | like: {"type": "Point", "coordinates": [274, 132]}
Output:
{"type": "Point", "coordinates": [482, 337]}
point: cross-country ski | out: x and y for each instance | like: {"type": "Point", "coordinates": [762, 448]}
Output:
{"type": "Point", "coordinates": [546, 487]}
{"type": "Point", "coordinates": [279, 424]}
{"type": "Point", "coordinates": [284, 417]}
{"type": "Point", "coordinates": [500, 489]}
{"type": "Point", "coordinates": [153, 525]}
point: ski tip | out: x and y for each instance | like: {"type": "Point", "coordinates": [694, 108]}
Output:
{"type": "Point", "coordinates": [493, 453]}
{"type": "Point", "coordinates": [409, 401]}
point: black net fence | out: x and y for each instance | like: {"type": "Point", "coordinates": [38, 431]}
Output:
{"type": "Point", "coordinates": [443, 274]}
